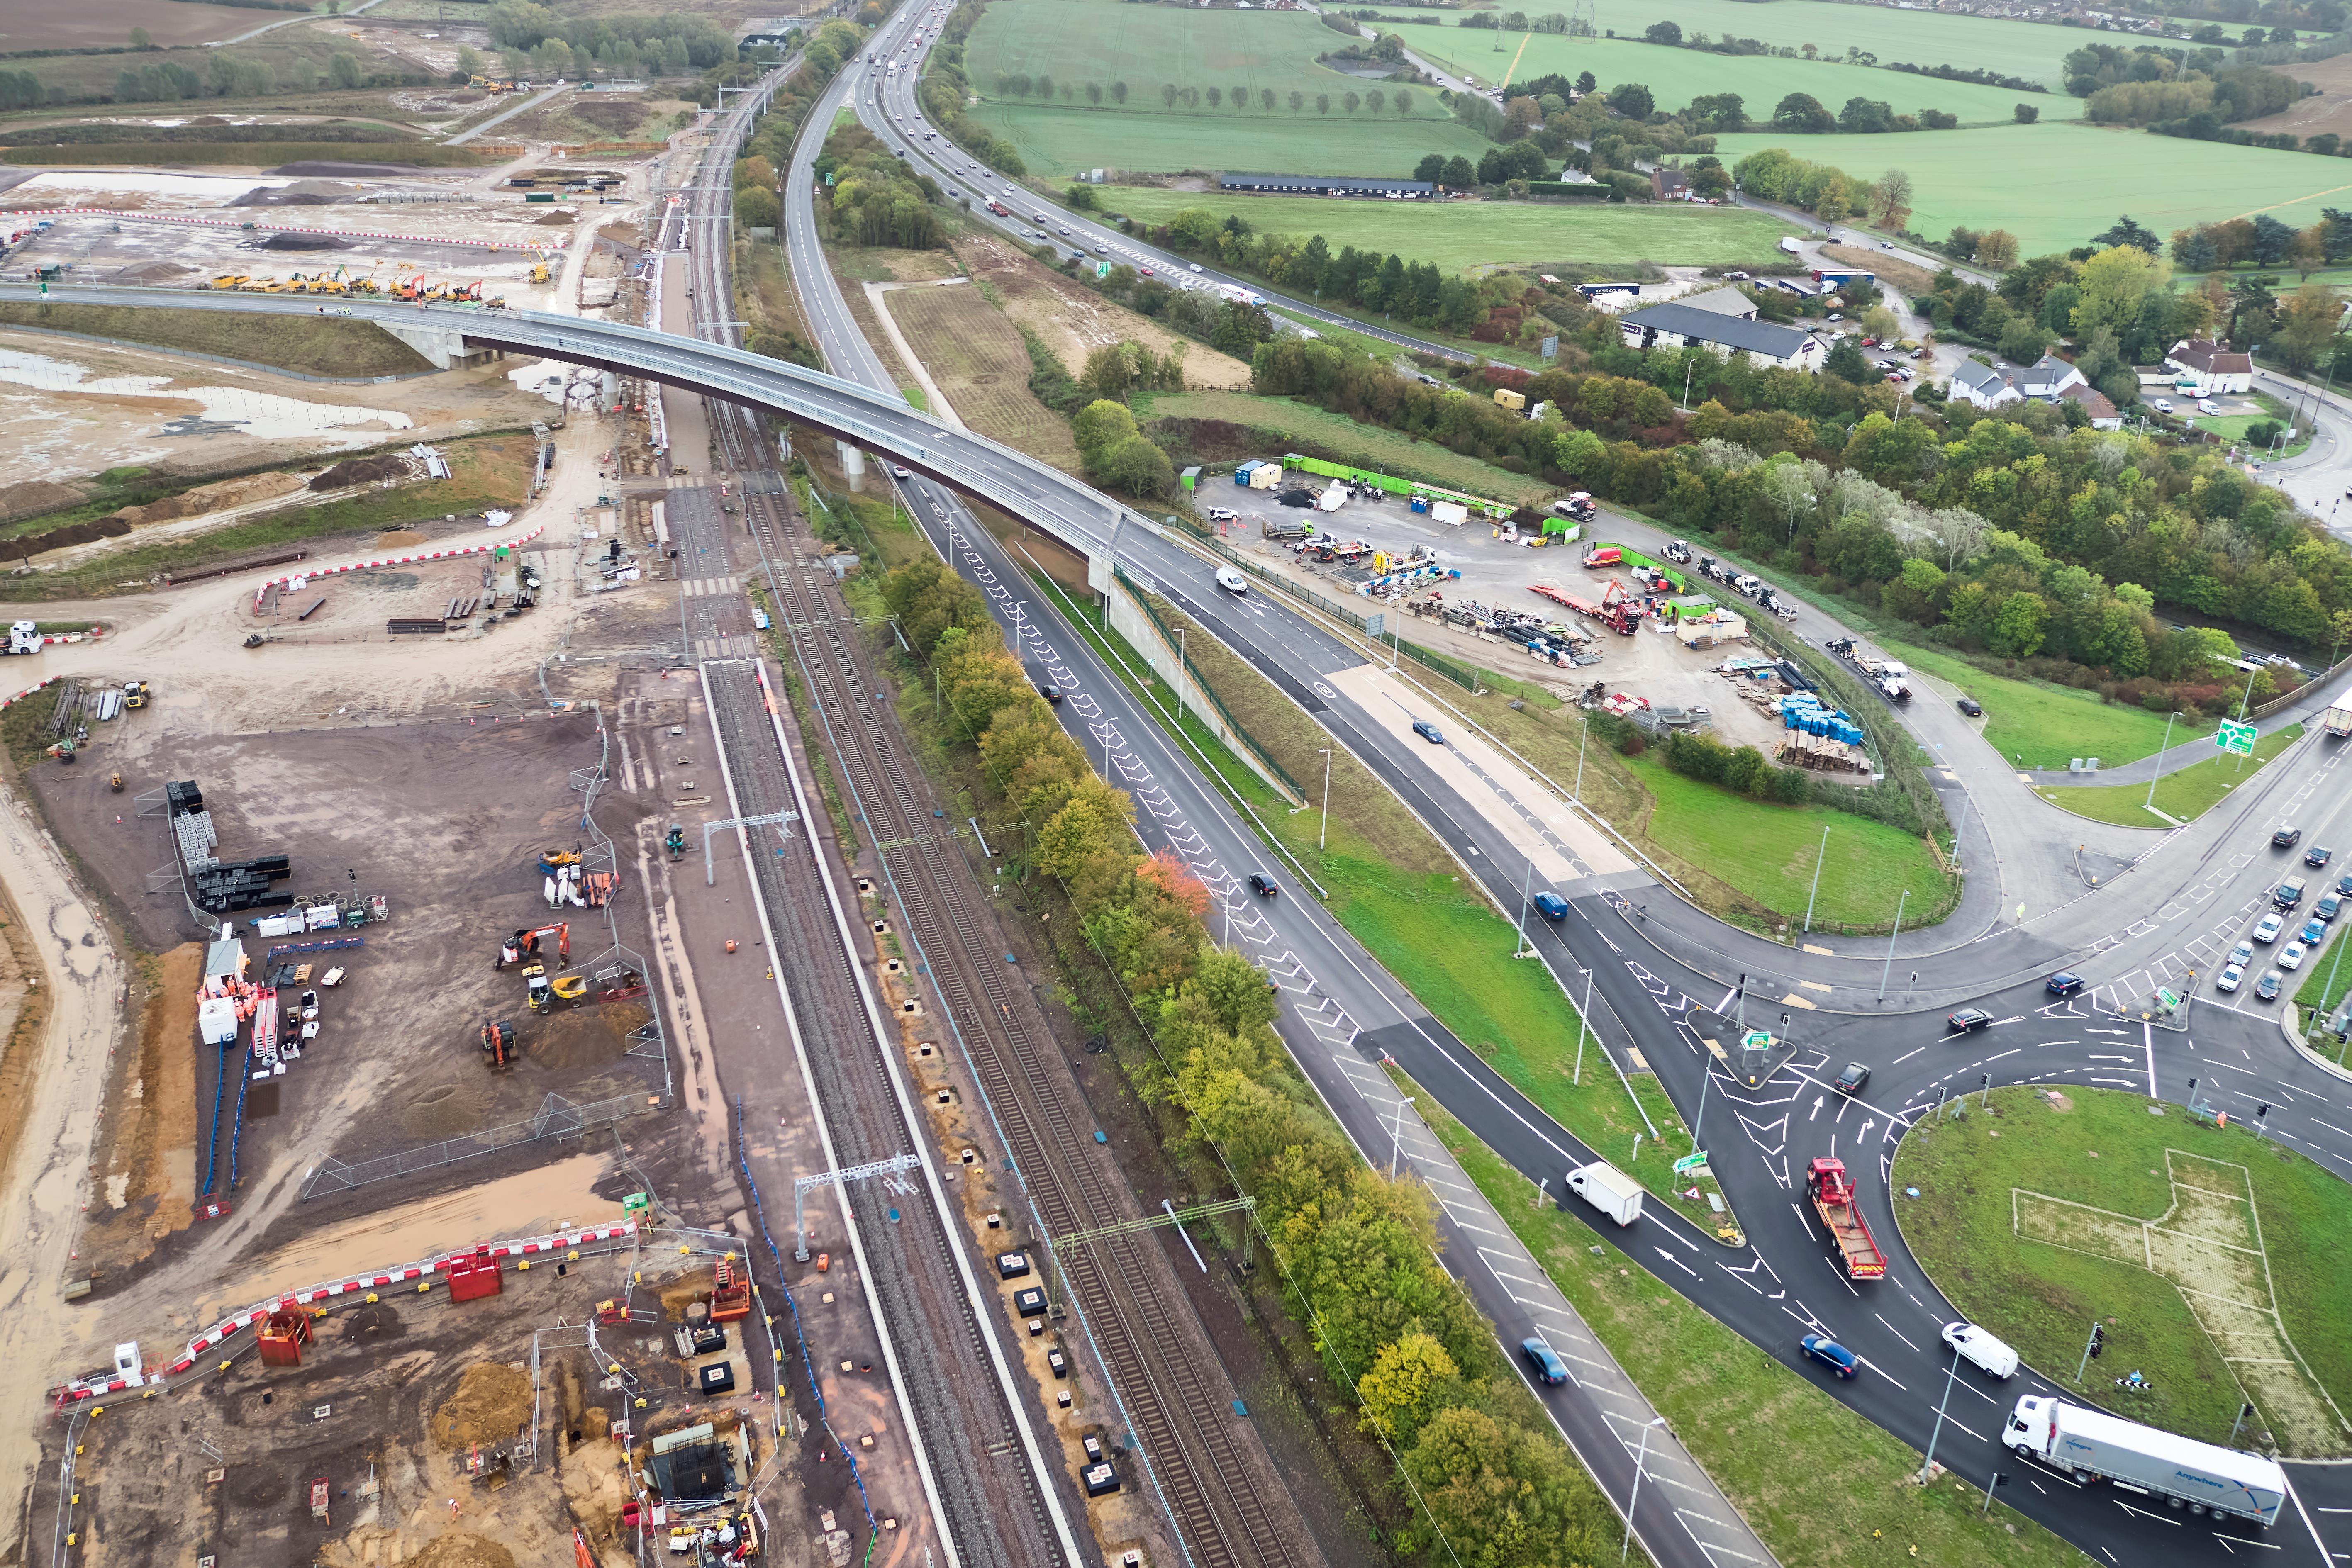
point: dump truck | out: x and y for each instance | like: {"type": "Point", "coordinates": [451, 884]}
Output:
{"type": "Point", "coordinates": [1831, 1190]}
{"type": "Point", "coordinates": [2088, 1443]}
{"type": "Point", "coordinates": [1608, 1189]}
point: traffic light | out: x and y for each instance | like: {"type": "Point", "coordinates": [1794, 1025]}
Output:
{"type": "Point", "coordinates": [2098, 1340]}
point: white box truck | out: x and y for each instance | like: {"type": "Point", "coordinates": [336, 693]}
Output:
{"type": "Point", "coordinates": [1608, 1189]}
{"type": "Point", "coordinates": [2335, 723]}
{"type": "Point", "coordinates": [2092, 1443]}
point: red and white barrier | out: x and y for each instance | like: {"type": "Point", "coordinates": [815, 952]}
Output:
{"type": "Point", "coordinates": [316, 573]}
{"type": "Point", "coordinates": [221, 1332]}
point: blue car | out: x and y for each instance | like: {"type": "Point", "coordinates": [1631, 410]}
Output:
{"type": "Point", "coordinates": [1548, 1367]}
{"type": "Point", "coordinates": [1551, 905]}
{"type": "Point", "coordinates": [2313, 934]}
{"type": "Point", "coordinates": [2063, 984]}
{"type": "Point", "coordinates": [1428, 732]}
{"type": "Point", "coordinates": [1832, 1354]}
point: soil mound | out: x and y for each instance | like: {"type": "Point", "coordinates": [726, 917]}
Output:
{"type": "Point", "coordinates": [364, 471]}
{"type": "Point", "coordinates": [304, 242]}
{"type": "Point", "coordinates": [492, 1403]}
{"type": "Point", "coordinates": [462, 1549]}
{"type": "Point", "coordinates": [31, 497]}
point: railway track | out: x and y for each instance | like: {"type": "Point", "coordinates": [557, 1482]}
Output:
{"type": "Point", "coordinates": [1157, 1357]}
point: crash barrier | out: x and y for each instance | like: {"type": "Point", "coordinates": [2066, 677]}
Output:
{"type": "Point", "coordinates": [221, 1333]}
{"type": "Point", "coordinates": [317, 572]}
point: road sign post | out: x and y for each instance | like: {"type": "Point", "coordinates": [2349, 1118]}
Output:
{"type": "Point", "coordinates": [2233, 737]}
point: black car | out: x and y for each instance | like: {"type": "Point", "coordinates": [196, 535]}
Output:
{"type": "Point", "coordinates": [1851, 1081]}
{"type": "Point", "coordinates": [2344, 886]}
{"type": "Point", "coordinates": [2328, 907]}
{"type": "Point", "coordinates": [2062, 984]}
{"type": "Point", "coordinates": [2318, 855]}
{"type": "Point", "coordinates": [2287, 837]}
{"type": "Point", "coordinates": [1428, 732]}
{"type": "Point", "coordinates": [1263, 887]}
{"type": "Point", "coordinates": [1968, 1020]}
{"type": "Point", "coordinates": [1971, 707]}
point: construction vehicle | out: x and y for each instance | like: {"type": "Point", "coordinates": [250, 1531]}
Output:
{"type": "Point", "coordinates": [115, 783]}
{"type": "Point", "coordinates": [135, 694]}
{"type": "Point", "coordinates": [730, 1294]}
{"type": "Point", "coordinates": [550, 858]}
{"type": "Point", "coordinates": [539, 272]}
{"type": "Point", "coordinates": [63, 751]}
{"type": "Point", "coordinates": [675, 841]}
{"type": "Point", "coordinates": [1832, 1192]}
{"type": "Point", "coordinates": [538, 995]}
{"type": "Point", "coordinates": [499, 1045]}
{"type": "Point", "coordinates": [226, 280]}
{"type": "Point", "coordinates": [525, 944]}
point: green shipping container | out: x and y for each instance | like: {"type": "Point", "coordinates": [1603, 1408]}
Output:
{"type": "Point", "coordinates": [540, 196]}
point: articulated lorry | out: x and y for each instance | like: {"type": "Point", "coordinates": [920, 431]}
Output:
{"type": "Point", "coordinates": [2087, 1444]}
{"type": "Point", "coordinates": [1831, 1190]}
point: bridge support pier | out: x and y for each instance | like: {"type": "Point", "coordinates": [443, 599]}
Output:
{"type": "Point", "coordinates": [853, 465]}
{"type": "Point", "coordinates": [447, 350]}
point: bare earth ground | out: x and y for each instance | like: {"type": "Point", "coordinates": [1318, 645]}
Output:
{"type": "Point", "coordinates": [62, 436]}
{"type": "Point", "coordinates": [1076, 322]}
{"type": "Point", "coordinates": [2329, 109]}
{"type": "Point", "coordinates": [110, 25]}
{"type": "Point", "coordinates": [977, 359]}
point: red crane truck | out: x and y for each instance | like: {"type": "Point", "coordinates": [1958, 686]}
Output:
{"type": "Point", "coordinates": [1832, 1193]}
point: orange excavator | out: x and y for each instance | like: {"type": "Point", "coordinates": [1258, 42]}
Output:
{"type": "Point", "coordinates": [730, 1295]}
{"type": "Point", "coordinates": [527, 944]}
{"type": "Point", "coordinates": [499, 1046]}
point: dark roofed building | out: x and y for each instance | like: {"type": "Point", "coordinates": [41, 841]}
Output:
{"type": "Point", "coordinates": [1323, 186]}
{"type": "Point", "coordinates": [1678, 326]}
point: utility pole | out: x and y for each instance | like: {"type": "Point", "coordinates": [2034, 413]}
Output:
{"type": "Point", "coordinates": [1323, 836]}
{"type": "Point", "coordinates": [1928, 1465]}
{"type": "Point", "coordinates": [1583, 1019]}
{"type": "Point", "coordinates": [1527, 887]}
{"type": "Point", "coordinates": [1577, 794]}
{"type": "Point", "coordinates": [1639, 1461]}
{"type": "Point", "coordinates": [1998, 1476]}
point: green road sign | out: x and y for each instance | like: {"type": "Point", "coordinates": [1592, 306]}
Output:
{"type": "Point", "coordinates": [1690, 1163]}
{"type": "Point", "coordinates": [2237, 737]}
{"type": "Point", "coordinates": [1755, 1039]}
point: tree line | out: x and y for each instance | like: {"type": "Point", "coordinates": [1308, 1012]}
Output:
{"type": "Point", "coordinates": [1489, 1482]}
{"type": "Point", "coordinates": [1238, 97]}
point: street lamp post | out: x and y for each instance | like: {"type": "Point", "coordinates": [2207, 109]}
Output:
{"type": "Point", "coordinates": [1928, 1465]}
{"type": "Point", "coordinates": [1886, 972]}
{"type": "Point", "coordinates": [1818, 859]}
{"type": "Point", "coordinates": [1527, 889]}
{"type": "Point", "coordinates": [1640, 1461]}
{"type": "Point", "coordinates": [1180, 678]}
{"type": "Point", "coordinates": [2151, 803]}
{"type": "Point", "coordinates": [1323, 836]}
{"type": "Point", "coordinates": [1583, 1014]}
{"type": "Point", "coordinates": [1577, 794]}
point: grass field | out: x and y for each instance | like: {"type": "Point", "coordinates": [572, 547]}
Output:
{"type": "Point", "coordinates": [1819, 1483]}
{"type": "Point", "coordinates": [1148, 46]}
{"type": "Point", "coordinates": [312, 345]}
{"type": "Point", "coordinates": [1916, 37]}
{"type": "Point", "coordinates": [1457, 236]}
{"type": "Point", "coordinates": [2036, 1235]}
{"type": "Point", "coordinates": [2039, 725]}
{"type": "Point", "coordinates": [1365, 447]}
{"type": "Point", "coordinates": [1057, 142]}
{"type": "Point", "coordinates": [2324, 981]}
{"type": "Point", "coordinates": [1768, 852]}
{"type": "Point", "coordinates": [982, 367]}
{"type": "Point", "coordinates": [2054, 186]}
{"type": "Point", "coordinates": [2189, 793]}
{"type": "Point", "coordinates": [1677, 76]}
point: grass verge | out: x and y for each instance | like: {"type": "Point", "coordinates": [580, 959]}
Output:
{"type": "Point", "coordinates": [484, 472]}
{"type": "Point", "coordinates": [1821, 1485]}
{"type": "Point", "coordinates": [2182, 796]}
{"type": "Point", "coordinates": [313, 345]}
{"type": "Point", "coordinates": [2103, 1149]}
{"type": "Point", "coordinates": [1771, 852]}
{"type": "Point", "coordinates": [2037, 725]}
{"type": "Point", "coordinates": [1343, 439]}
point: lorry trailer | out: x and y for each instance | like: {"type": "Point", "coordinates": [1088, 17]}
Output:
{"type": "Point", "coordinates": [2186, 1473]}
{"type": "Point", "coordinates": [1604, 1186]}
{"type": "Point", "coordinates": [2338, 720]}
{"type": "Point", "coordinates": [1831, 1190]}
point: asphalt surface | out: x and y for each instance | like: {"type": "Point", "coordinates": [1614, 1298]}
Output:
{"type": "Point", "coordinates": [1650, 957]}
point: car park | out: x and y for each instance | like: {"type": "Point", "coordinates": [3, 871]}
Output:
{"type": "Point", "coordinates": [1546, 1361]}
{"type": "Point", "coordinates": [1428, 732]}
{"type": "Point", "coordinates": [2062, 984]}
{"type": "Point", "coordinates": [1851, 1080]}
{"type": "Point", "coordinates": [2291, 955]}
{"type": "Point", "coordinates": [2317, 855]}
{"type": "Point", "coordinates": [1832, 1354]}
{"type": "Point", "coordinates": [1263, 885]}
{"type": "Point", "coordinates": [2161, 406]}
{"type": "Point", "coordinates": [1971, 707]}
{"type": "Point", "coordinates": [2207, 405]}
{"type": "Point", "coordinates": [2287, 837]}
{"type": "Point", "coordinates": [2266, 930]}
{"type": "Point", "coordinates": [2230, 976]}
{"type": "Point", "coordinates": [1968, 1020]}
{"type": "Point", "coordinates": [2266, 989]}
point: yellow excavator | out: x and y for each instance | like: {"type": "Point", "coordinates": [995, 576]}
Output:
{"type": "Point", "coordinates": [226, 280]}
{"type": "Point", "coordinates": [539, 272]}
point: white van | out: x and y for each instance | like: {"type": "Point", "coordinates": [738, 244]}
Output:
{"type": "Point", "coordinates": [1232, 582]}
{"type": "Point", "coordinates": [1991, 1357]}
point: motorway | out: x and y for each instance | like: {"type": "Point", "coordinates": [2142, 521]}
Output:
{"type": "Point", "coordinates": [1650, 958]}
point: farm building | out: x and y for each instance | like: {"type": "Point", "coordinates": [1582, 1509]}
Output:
{"type": "Point", "coordinates": [1677, 326]}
